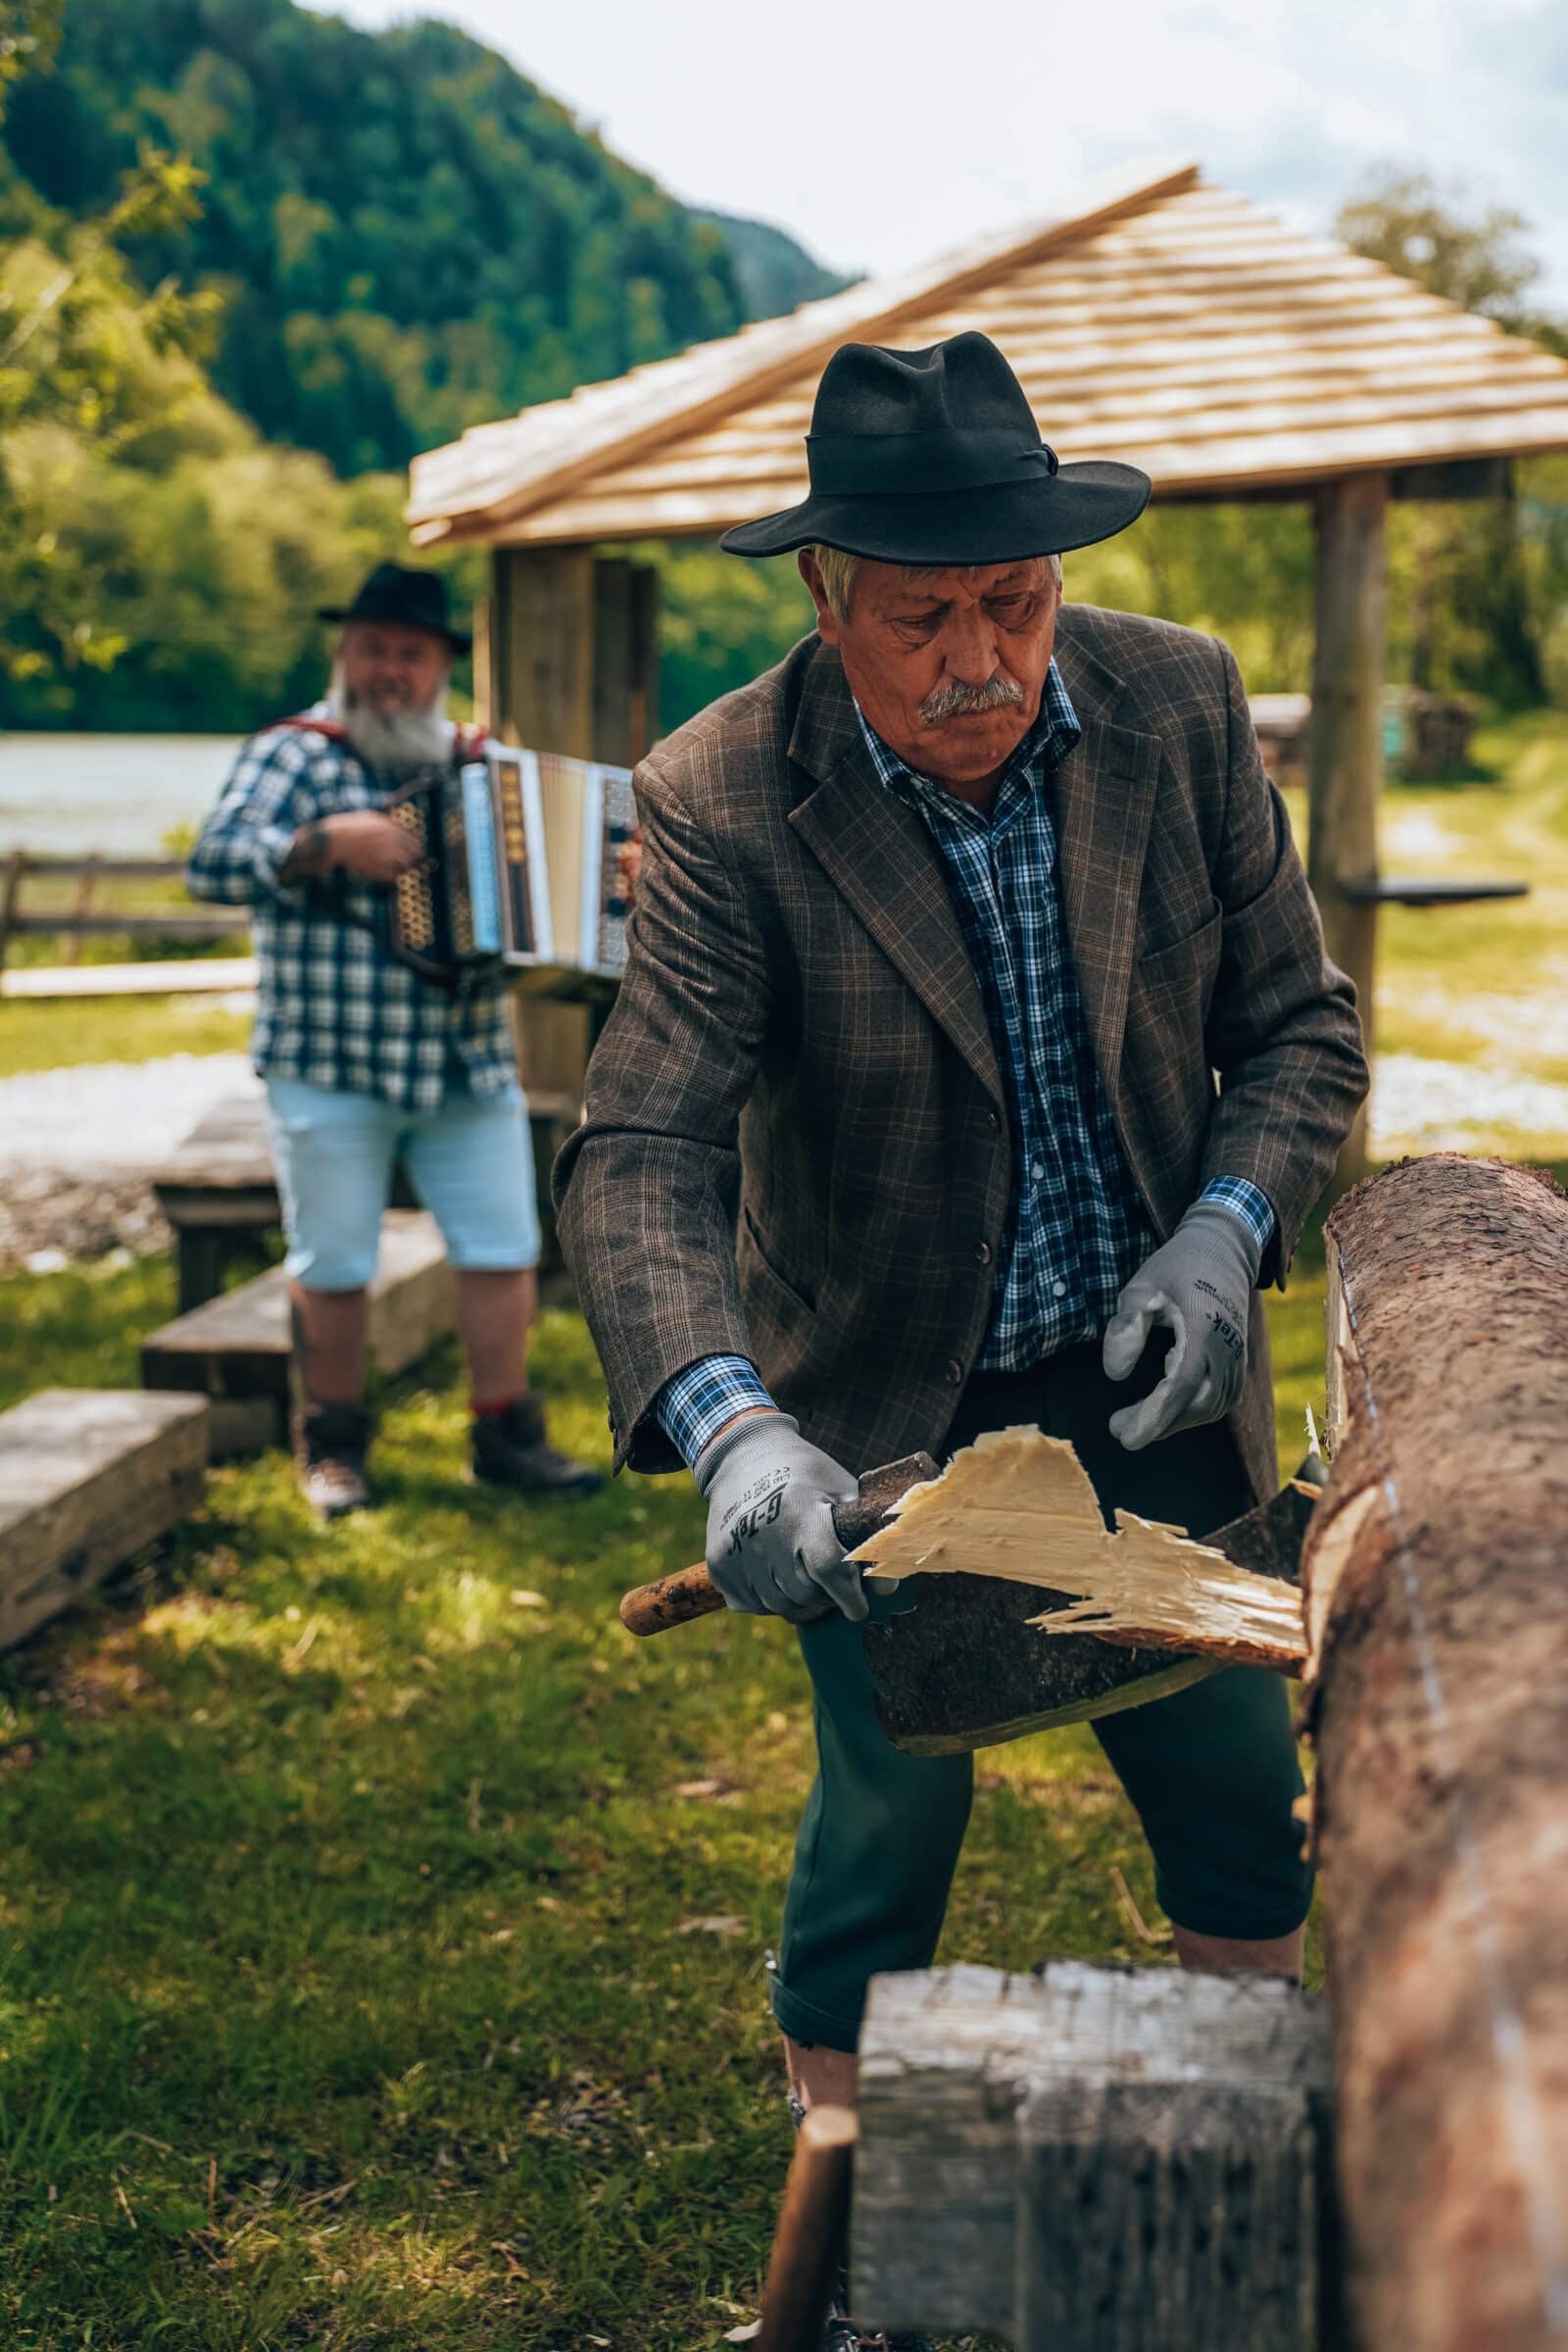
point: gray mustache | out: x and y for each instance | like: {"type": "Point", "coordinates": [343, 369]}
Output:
{"type": "Point", "coordinates": [957, 700]}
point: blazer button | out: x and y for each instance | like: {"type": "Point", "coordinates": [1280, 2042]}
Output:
{"type": "Point", "coordinates": [954, 1372]}
{"type": "Point", "coordinates": [992, 1122]}
{"type": "Point", "coordinates": [982, 1253]}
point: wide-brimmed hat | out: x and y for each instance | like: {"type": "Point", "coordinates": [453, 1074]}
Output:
{"type": "Point", "coordinates": [413, 600]}
{"type": "Point", "coordinates": [933, 457]}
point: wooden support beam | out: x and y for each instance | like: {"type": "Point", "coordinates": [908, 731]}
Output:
{"type": "Point", "coordinates": [1133, 2160]}
{"type": "Point", "coordinates": [574, 667]}
{"type": "Point", "coordinates": [1438, 1612]}
{"type": "Point", "coordinates": [1346, 750]}
{"type": "Point", "coordinates": [86, 1477]}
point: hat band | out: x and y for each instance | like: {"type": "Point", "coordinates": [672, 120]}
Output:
{"type": "Point", "coordinates": [883, 464]}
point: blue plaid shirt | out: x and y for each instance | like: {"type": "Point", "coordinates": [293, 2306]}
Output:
{"type": "Point", "coordinates": [1076, 1230]}
{"type": "Point", "coordinates": [334, 1005]}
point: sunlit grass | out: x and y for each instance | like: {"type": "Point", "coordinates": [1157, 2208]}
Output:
{"type": "Point", "coordinates": [54, 1032]}
{"type": "Point", "coordinates": [346, 1887]}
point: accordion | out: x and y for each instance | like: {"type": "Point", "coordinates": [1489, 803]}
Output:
{"type": "Point", "coordinates": [520, 867]}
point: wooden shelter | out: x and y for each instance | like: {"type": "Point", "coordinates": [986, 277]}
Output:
{"type": "Point", "coordinates": [1155, 320]}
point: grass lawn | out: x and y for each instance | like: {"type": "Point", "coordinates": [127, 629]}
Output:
{"type": "Point", "coordinates": [381, 1928]}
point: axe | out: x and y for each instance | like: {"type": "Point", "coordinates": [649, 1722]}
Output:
{"type": "Point", "coordinates": [961, 1667]}
{"type": "Point", "coordinates": [692, 1593]}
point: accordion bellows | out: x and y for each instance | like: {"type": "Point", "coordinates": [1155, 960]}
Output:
{"type": "Point", "coordinates": [520, 866]}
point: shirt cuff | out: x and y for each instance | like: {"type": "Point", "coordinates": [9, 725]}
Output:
{"type": "Point", "coordinates": [269, 846]}
{"type": "Point", "coordinates": [1252, 1205]}
{"type": "Point", "coordinates": [693, 1405]}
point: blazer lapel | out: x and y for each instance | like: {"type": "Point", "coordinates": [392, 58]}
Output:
{"type": "Point", "coordinates": [878, 856]}
{"type": "Point", "coordinates": [1103, 800]}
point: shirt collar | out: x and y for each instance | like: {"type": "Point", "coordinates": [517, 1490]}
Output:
{"type": "Point", "coordinates": [1049, 741]}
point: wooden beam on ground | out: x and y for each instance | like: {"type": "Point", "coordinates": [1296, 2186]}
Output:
{"type": "Point", "coordinates": [1346, 744]}
{"type": "Point", "coordinates": [1438, 1610]}
{"type": "Point", "coordinates": [1129, 2159]}
{"type": "Point", "coordinates": [207, 975]}
{"type": "Point", "coordinates": [235, 1349]}
{"type": "Point", "coordinates": [86, 1477]}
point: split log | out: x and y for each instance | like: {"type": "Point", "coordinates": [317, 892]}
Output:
{"type": "Point", "coordinates": [1438, 1605]}
{"type": "Point", "coordinates": [1018, 1505]}
{"type": "Point", "coordinates": [1135, 2160]}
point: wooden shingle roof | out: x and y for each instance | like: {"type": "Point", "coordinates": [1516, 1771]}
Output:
{"type": "Point", "coordinates": [1159, 321]}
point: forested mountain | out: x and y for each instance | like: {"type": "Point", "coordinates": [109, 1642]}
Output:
{"type": "Point", "coordinates": [775, 274]}
{"type": "Point", "coordinates": [408, 236]}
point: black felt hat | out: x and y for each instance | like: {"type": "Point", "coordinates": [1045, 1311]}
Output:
{"type": "Point", "coordinates": [933, 457]}
{"type": "Point", "coordinates": [413, 600]}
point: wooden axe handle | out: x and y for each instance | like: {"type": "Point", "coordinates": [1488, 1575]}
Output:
{"type": "Point", "coordinates": [692, 1593]}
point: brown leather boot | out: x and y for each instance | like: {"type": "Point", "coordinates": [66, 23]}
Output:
{"type": "Point", "coordinates": [329, 1448]}
{"type": "Point", "coordinates": [510, 1450]}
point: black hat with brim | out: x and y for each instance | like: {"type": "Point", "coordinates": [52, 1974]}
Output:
{"type": "Point", "coordinates": [933, 457]}
{"type": "Point", "coordinates": [404, 599]}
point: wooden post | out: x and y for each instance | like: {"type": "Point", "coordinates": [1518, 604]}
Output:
{"type": "Point", "coordinates": [543, 696]}
{"type": "Point", "coordinates": [574, 668]}
{"type": "Point", "coordinates": [808, 2244]}
{"type": "Point", "coordinates": [1133, 2160]}
{"type": "Point", "coordinates": [625, 659]}
{"type": "Point", "coordinates": [16, 866]}
{"type": "Point", "coordinates": [1438, 1610]}
{"type": "Point", "coordinates": [1346, 752]}
{"type": "Point", "coordinates": [85, 898]}
{"type": "Point", "coordinates": [484, 700]}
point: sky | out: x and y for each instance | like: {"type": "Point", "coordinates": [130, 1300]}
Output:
{"type": "Point", "coordinates": [882, 135]}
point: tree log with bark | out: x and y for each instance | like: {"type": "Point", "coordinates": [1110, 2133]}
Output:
{"type": "Point", "coordinates": [1436, 1577]}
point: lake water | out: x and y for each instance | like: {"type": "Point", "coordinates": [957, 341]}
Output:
{"type": "Point", "coordinates": [119, 795]}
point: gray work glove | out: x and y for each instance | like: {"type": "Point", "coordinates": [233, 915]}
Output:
{"type": "Point", "coordinates": [1201, 1285]}
{"type": "Point", "coordinates": [771, 1548]}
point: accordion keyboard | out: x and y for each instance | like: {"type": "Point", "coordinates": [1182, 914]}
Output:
{"type": "Point", "coordinates": [415, 902]}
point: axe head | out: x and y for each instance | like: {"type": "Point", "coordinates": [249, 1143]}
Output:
{"type": "Point", "coordinates": [961, 1667]}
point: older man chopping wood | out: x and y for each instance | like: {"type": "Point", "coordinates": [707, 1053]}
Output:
{"type": "Point", "coordinates": [976, 1060]}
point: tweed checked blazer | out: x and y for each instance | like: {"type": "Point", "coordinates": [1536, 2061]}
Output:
{"type": "Point", "coordinates": [795, 1144]}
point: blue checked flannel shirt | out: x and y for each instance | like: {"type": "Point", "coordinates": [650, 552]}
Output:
{"type": "Point", "coordinates": [1077, 1231]}
{"type": "Point", "coordinates": [333, 1005]}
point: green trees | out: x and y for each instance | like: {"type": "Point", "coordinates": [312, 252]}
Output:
{"type": "Point", "coordinates": [406, 235]}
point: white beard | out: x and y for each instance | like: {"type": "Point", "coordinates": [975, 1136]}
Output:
{"type": "Point", "coordinates": [398, 745]}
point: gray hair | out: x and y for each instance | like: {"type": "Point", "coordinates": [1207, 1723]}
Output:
{"type": "Point", "coordinates": [838, 571]}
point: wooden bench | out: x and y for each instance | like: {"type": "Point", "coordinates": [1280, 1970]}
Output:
{"type": "Point", "coordinates": [234, 1349]}
{"type": "Point", "coordinates": [217, 1188]}
{"type": "Point", "coordinates": [86, 1477]}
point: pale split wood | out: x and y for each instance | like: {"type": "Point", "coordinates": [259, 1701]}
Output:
{"type": "Point", "coordinates": [1018, 1505]}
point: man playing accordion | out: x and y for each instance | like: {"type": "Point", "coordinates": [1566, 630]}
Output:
{"type": "Point", "coordinates": [366, 1060]}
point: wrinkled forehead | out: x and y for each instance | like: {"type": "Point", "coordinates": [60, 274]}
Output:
{"type": "Point", "coordinates": [901, 584]}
